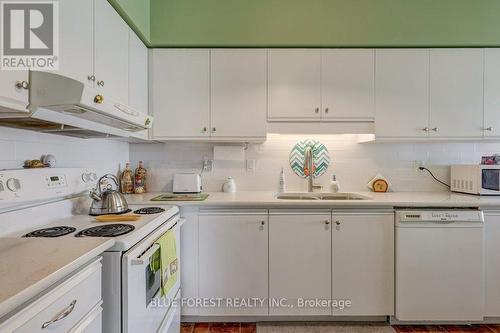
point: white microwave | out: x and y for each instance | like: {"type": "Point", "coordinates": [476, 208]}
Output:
{"type": "Point", "coordinates": [476, 179]}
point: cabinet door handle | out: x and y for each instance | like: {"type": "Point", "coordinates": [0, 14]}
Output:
{"type": "Point", "coordinates": [337, 225]}
{"type": "Point", "coordinates": [22, 85]}
{"type": "Point", "coordinates": [204, 130]}
{"type": "Point", "coordinates": [100, 83]}
{"type": "Point", "coordinates": [262, 224]}
{"type": "Point", "coordinates": [316, 110]}
{"type": "Point", "coordinates": [99, 99]}
{"type": "Point", "coordinates": [435, 129]}
{"type": "Point", "coordinates": [91, 78]}
{"type": "Point", "coordinates": [327, 222]}
{"type": "Point", "coordinates": [214, 130]}
{"type": "Point", "coordinates": [425, 129]}
{"type": "Point", "coordinates": [61, 315]}
{"type": "Point", "coordinates": [489, 129]}
{"type": "Point", "coordinates": [326, 110]}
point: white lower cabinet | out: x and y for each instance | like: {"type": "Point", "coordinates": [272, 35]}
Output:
{"type": "Point", "coordinates": [363, 263]}
{"type": "Point", "coordinates": [92, 323]}
{"type": "Point", "coordinates": [233, 260]}
{"type": "Point", "coordinates": [299, 261]}
{"type": "Point", "coordinates": [189, 259]}
{"type": "Point", "coordinates": [293, 258]}
{"type": "Point", "coordinates": [74, 305]}
{"type": "Point", "coordinates": [492, 264]}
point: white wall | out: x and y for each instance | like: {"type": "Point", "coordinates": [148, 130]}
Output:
{"type": "Point", "coordinates": [105, 156]}
{"type": "Point", "coordinates": [353, 163]}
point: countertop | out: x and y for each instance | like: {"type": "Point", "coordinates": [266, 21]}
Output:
{"type": "Point", "coordinates": [28, 266]}
{"type": "Point", "coordinates": [268, 200]}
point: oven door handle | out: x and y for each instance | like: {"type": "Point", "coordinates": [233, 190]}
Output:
{"type": "Point", "coordinates": [146, 256]}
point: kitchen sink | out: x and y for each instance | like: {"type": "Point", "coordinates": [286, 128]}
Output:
{"type": "Point", "coordinates": [321, 196]}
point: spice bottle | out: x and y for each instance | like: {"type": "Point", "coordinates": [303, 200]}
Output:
{"type": "Point", "coordinates": [140, 179]}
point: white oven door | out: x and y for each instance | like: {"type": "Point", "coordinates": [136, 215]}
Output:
{"type": "Point", "coordinates": [143, 308]}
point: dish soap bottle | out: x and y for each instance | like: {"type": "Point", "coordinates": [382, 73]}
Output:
{"type": "Point", "coordinates": [127, 180]}
{"type": "Point", "coordinates": [140, 179]}
{"type": "Point", "coordinates": [282, 181]}
{"type": "Point", "coordinates": [334, 186]}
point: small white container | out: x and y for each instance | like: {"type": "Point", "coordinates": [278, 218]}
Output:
{"type": "Point", "coordinates": [334, 186]}
{"type": "Point", "coordinates": [229, 185]}
{"type": "Point", "coordinates": [49, 160]}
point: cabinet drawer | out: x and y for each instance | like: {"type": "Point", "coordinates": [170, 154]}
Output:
{"type": "Point", "coordinates": [63, 307]}
{"type": "Point", "coordinates": [91, 323]}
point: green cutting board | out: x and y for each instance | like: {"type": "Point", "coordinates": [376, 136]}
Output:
{"type": "Point", "coordinates": [180, 197]}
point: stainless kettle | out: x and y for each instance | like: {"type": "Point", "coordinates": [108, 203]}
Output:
{"type": "Point", "coordinates": [107, 201]}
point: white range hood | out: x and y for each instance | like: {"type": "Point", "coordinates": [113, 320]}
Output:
{"type": "Point", "coordinates": [64, 106]}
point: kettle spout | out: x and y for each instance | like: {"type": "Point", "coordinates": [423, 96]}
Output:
{"type": "Point", "coordinates": [95, 195]}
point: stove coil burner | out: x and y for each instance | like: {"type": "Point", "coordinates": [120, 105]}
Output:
{"type": "Point", "coordinates": [51, 232]}
{"type": "Point", "coordinates": [149, 210]}
{"type": "Point", "coordinates": [108, 230]}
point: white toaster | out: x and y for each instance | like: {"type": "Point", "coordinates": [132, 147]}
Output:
{"type": "Point", "coordinates": [187, 183]}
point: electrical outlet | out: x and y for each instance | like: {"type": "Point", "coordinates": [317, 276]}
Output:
{"type": "Point", "coordinates": [418, 164]}
{"type": "Point", "coordinates": [208, 165]}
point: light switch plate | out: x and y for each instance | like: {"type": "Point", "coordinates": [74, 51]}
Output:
{"type": "Point", "coordinates": [250, 165]}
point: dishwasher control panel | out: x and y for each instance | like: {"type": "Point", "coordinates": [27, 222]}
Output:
{"type": "Point", "coordinates": [465, 215]}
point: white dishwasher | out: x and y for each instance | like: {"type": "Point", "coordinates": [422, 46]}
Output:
{"type": "Point", "coordinates": [439, 265]}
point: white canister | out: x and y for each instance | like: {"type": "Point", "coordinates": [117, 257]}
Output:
{"type": "Point", "coordinates": [229, 185]}
{"type": "Point", "coordinates": [49, 160]}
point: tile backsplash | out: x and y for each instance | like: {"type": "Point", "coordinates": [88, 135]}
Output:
{"type": "Point", "coordinates": [105, 156]}
{"type": "Point", "coordinates": [354, 163]}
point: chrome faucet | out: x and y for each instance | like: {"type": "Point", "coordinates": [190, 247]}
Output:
{"type": "Point", "coordinates": [309, 165]}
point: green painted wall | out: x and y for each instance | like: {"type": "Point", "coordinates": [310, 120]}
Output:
{"type": "Point", "coordinates": [324, 23]}
{"type": "Point", "coordinates": [137, 14]}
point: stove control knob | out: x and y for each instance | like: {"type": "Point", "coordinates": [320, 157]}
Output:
{"type": "Point", "coordinates": [13, 184]}
{"type": "Point", "coordinates": [2, 188]}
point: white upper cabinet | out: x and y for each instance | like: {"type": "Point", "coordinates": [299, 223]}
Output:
{"type": "Point", "coordinates": [12, 94]}
{"type": "Point", "coordinates": [347, 84]}
{"type": "Point", "coordinates": [209, 94]}
{"type": "Point", "coordinates": [294, 84]}
{"type": "Point", "coordinates": [238, 93]}
{"type": "Point", "coordinates": [491, 92]}
{"type": "Point", "coordinates": [363, 262]}
{"type": "Point", "coordinates": [180, 87]}
{"type": "Point", "coordinates": [456, 92]}
{"type": "Point", "coordinates": [138, 74]}
{"type": "Point", "coordinates": [76, 40]}
{"type": "Point", "coordinates": [111, 52]}
{"type": "Point", "coordinates": [300, 260]}
{"type": "Point", "coordinates": [402, 93]}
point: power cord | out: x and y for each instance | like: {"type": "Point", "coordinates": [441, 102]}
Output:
{"type": "Point", "coordinates": [430, 172]}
